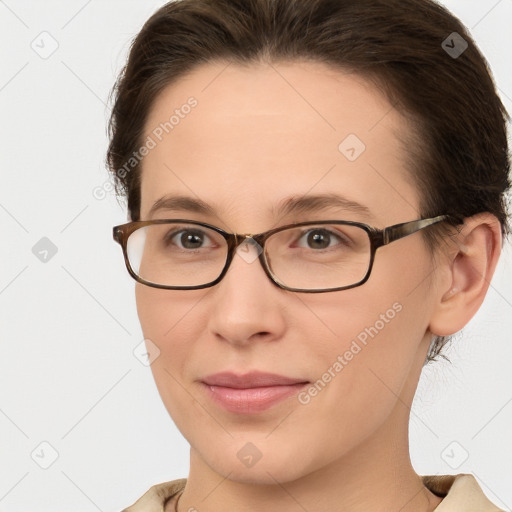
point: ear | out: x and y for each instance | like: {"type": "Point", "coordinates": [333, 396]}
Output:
{"type": "Point", "coordinates": [466, 271]}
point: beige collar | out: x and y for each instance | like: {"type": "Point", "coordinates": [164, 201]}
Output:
{"type": "Point", "coordinates": [459, 492]}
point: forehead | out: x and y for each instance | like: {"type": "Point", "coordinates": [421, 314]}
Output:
{"type": "Point", "coordinates": [245, 137]}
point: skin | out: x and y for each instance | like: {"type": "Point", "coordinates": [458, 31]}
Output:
{"type": "Point", "coordinates": [260, 134]}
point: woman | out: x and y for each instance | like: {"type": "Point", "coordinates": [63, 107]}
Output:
{"type": "Point", "coordinates": [359, 150]}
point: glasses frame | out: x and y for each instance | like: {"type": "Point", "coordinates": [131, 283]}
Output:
{"type": "Point", "coordinates": [378, 238]}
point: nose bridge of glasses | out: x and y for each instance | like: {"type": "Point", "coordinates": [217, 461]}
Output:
{"type": "Point", "coordinates": [247, 246]}
{"type": "Point", "coordinates": [241, 237]}
{"type": "Point", "coordinates": [247, 239]}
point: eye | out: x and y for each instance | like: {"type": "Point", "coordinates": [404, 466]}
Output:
{"type": "Point", "coordinates": [190, 238]}
{"type": "Point", "coordinates": [321, 238]}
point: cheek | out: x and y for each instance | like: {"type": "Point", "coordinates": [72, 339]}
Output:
{"type": "Point", "coordinates": [170, 319]}
{"type": "Point", "coordinates": [164, 315]}
{"type": "Point", "coordinates": [364, 363]}
{"type": "Point", "coordinates": [385, 317]}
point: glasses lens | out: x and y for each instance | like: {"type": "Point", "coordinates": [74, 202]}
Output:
{"type": "Point", "coordinates": [177, 254]}
{"type": "Point", "coordinates": [319, 256]}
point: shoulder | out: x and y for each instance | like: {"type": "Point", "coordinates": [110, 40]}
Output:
{"type": "Point", "coordinates": [154, 499]}
{"type": "Point", "coordinates": [459, 492]}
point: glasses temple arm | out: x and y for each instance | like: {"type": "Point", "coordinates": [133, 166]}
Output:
{"type": "Point", "coordinates": [398, 231]}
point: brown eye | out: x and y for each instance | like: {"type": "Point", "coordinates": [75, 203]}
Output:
{"type": "Point", "coordinates": [187, 239]}
{"type": "Point", "coordinates": [320, 238]}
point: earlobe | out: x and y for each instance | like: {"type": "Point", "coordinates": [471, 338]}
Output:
{"type": "Point", "coordinates": [467, 274]}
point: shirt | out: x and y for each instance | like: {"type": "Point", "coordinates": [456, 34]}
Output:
{"type": "Point", "coordinates": [460, 493]}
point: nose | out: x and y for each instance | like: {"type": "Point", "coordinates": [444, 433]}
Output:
{"type": "Point", "coordinates": [246, 305]}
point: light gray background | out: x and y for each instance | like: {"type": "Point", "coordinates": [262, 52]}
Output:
{"type": "Point", "coordinates": [68, 326]}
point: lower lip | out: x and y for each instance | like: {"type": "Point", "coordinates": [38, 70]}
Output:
{"type": "Point", "coordinates": [251, 400]}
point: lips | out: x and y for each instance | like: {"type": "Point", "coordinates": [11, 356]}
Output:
{"type": "Point", "coordinates": [251, 393]}
{"type": "Point", "coordinates": [252, 379]}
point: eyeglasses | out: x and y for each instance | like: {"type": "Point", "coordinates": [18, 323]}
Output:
{"type": "Point", "coordinates": [310, 257]}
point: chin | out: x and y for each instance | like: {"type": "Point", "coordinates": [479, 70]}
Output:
{"type": "Point", "coordinates": [260, 474]}
{"type": "Point", "coordinates": [243, 462]}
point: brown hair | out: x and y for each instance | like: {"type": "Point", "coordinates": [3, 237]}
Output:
{"type": "Point", "coordinates": [459, 159]}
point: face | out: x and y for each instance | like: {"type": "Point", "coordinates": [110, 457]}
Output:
{"type": "Point", "coordinates": [256, 137]}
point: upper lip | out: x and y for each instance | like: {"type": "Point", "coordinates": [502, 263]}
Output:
{"type": "Point", "coordinates": [253, 379]}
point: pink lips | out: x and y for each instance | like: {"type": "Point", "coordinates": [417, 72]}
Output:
{"type": "Point", "coordinates": [252, 392]}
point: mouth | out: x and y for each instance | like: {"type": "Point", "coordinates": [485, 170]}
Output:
{"type": "Point", "coordinates": [252, 392]}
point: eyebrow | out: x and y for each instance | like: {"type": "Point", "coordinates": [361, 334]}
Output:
{"type": "Point", "coordinates": [313, 203]}
{"type": "Point", "coordinates": [288, 206]}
